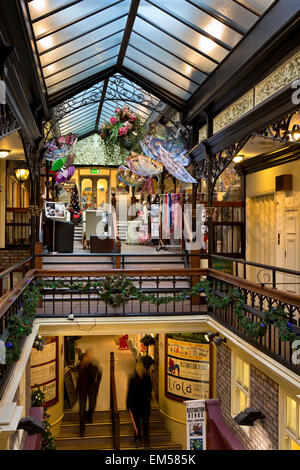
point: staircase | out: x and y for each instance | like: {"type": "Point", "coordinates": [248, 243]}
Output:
{"type": "Point", "coordinates": [78, 233]}
{"type": "Point", "coordinates": [98, 435]}
{"type": "Point", "coordinates": [122, 230]}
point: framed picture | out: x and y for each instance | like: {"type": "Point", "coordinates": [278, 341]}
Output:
{"type": "Point", "coordinates": [55, 210]}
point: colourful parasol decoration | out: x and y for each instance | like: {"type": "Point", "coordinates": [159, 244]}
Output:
{"type": "Point", "coordinates": [58, 164]}
{"type": "Point", "coordinates": [129, 177]}
{"type": "Point", "coordinates": [61, 147]}
{"type": "Point", "coordinates": [144, 165]}
{"type": "Point", "coordinates": [65, 175]}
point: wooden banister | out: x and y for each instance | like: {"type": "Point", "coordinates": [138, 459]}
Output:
{"type": "Point", "coordinates": [114, 404]}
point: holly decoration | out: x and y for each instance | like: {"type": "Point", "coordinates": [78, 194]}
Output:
{"type": "Point", "coordinates": [38, 400]}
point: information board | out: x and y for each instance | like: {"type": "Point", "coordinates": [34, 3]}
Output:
{"type": "Point", "coordinates": [196, 425]}
{"type": "Point", "coordinates": [187, 369]}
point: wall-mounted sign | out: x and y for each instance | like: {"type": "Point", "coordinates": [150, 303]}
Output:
{"type": "Point", "coordinates": [196, 425]}
{"type": "Point", "coordinates": [44, 370]}
{"type": "Point", "coordinates": [187, 370]}
{"type": "Point", "coordinates": [94, 171]}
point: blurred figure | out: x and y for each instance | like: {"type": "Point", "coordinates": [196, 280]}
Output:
{"type": "Point", "coordinates": [87, 386]}
{"type": "Point", "coordinates": [139, 402]}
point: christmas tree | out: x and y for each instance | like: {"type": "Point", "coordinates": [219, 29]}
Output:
{"type": "Point", "coordinates": [38, 399]}
{"type": "Point", "coordinates": [74, 206]}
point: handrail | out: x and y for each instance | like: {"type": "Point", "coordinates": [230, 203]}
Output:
{"type": "Point", "coordinates": [114, 404]}
{"type": "Point", "coordinates": [15, 266]}
{"type": "Point", "coordinates": [258, 265]}
{"type": "Point", "coordinates": [7, 300]}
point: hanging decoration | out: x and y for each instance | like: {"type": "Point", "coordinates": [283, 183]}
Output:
{"type": "Point", "coordinates": [60, 147]}
{"type": "Point", "coordinates": [65, 175]}
{"type": "Point", "coordinates": [129, 177]}
{"type": "Point", "coordinates": [39, 342]}
{"type": "Point", "coordinates": [175, 167]}
{"type": "Point", "coordinates": [123, 128]}
{"type": "Point", "coordinates": [144, 165]}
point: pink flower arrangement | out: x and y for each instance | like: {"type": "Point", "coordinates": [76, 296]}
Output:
{"type": "Point", "coordinates": [123, 130]}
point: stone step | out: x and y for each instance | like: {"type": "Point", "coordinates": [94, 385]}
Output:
{"type": "Point", "coordinates": [99, 417]}
{"type": "Point", "coordinates": [98, 444]}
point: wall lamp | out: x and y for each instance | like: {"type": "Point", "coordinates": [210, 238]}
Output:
{"type": "Point", "coordinates": [22, 173]}
{"type": "Point", "coordinates": [248, 417]}
{"type": "Point", "coordinates": [4, 153]}
{"type": "Point", "coordinates": [214, 338]}
{"type": "Point", "coordinates": [238, 158]}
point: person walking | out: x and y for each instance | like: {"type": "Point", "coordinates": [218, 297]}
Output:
{"type": "Point", "coordinates": [139, 402]}
{"type": "Point", "coordinates": [88, 383]}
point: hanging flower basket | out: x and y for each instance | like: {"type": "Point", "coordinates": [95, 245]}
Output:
{"type": "Point", "coordinates": [122, 129]}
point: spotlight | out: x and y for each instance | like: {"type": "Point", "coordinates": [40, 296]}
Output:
{"type": "Point", "coordinates": [31, 425]}
{"type": "Point", "coordinates": [248, 417]}
{"type": "Point", "coordinates": [71, 317]}
{"type": "Point", "coordinates": [210, 336]}
{"type": "Point", "coordinates": [219, 340]}
{"type": "Point", "coordinates": [238, 158]}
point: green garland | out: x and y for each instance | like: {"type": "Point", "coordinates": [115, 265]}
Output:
{"type": "Point", "coordinates": [38, 400]}
{"type": "Point", "coordinates": [21, 326]}
{"type": "Point", "coordinates": [119, 290]}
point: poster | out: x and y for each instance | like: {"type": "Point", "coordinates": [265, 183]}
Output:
{"type": "Point", "coordinates": [187, 369]}
{"type": "Point", "coordinates": [44, 370]}
{"type": "Point", "coordinates": [196, 425]}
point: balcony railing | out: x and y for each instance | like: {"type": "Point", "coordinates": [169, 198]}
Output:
{"type": "Point", "coordinates": [17, 227]}
{"type": "Point", "coordinates": [74, 292]}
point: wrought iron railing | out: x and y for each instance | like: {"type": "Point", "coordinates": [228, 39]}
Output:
{"type": "Point", "coordinates": [17, 227]}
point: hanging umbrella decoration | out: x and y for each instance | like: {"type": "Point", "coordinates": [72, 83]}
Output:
{"type": "Point", "coordinates": [169, 148]}
{"type": "Point", "coordinates": [129, 177]}
{"type": "Point", "coordinates": [60, 153]}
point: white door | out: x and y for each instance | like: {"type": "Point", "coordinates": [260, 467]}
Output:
{"type": "Point", "coordinates": [263, 237]}
{"type": "Point", "coordinates": [291, 249]}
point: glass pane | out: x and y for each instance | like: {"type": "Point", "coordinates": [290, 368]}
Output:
{"type": "Point", "coordinates": [68, 15]}
{"type": "Point", "coordinates": [38, 8]}
{"type": "Point", "coordinates": [174, 46]}
{"type": "Point", "coordinates": [233, 11]}
{"type": "Point", "coordinates": [203, 20]}
{"type": "Point", "coordinates": [111, 30]}
{"type": "Point", "coordinates": [260, 6]}
{"type": "Point", "coordinates": [156, 79]}
{"type": "Point", "coordinates": [243, 401]}
{"type": "Point", "coordinates": [81, 66]}
{"type": "Point", "coordinates": [160, 69]}
{"type": "Point", "coordinates": [246, 377]}
{"type": "Point", "coordinates": [239, 370]}
{"type": "Point", "coordinates": [81, 76]}
{"type": "Point", "coordinates": [166, 58]}
{"type": "Point", "coordinates": [294, 445]}
{"type": "Point", "coordinates": [83, 27]}
{"type": "Point", "coordinates": [102, 49]}
{"type": "Point", "coordinates": [185, 33]}
{"type": "Point", "coordinates": [291, 418]}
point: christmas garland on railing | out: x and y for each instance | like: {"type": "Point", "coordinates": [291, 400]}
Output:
{"type": "Point", "coordinates": [116, 291]}
{"type": "Point", "coordinates": [21, 325]}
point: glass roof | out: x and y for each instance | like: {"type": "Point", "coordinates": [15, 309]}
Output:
{"type": "Point", "coordinates": [173, 44]}
{"type": "Point", "coordinates": [84, 113]}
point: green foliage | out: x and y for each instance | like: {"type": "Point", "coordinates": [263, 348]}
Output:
{"type": "Point", "coordinates": [38, 400]}
{"type": "Point", "coordinates": [20, 325]}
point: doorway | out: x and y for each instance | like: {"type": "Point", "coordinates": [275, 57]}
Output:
{"type": "Point", "coordinates": [94, 191]}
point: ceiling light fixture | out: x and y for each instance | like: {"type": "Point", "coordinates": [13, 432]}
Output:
{"type": "Point", "coordinates": [4, 153]}
{"type": "Point", "coordinates": [238, 158]}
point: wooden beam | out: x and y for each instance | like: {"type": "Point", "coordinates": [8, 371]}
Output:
{"type": "Point", "coordinates": [105, 84]}
{"type": "Point", "coordinates": [127, 31]}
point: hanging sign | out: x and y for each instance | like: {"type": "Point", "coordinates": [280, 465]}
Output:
{"type": "Point", "coordinates": [175, 168]}
{"type": "Point", "coordinates": [196, 425]}
{"type": "Point", "coordinates": [44, 370]}
{"type": "Point", "coordinates": [187, 370]}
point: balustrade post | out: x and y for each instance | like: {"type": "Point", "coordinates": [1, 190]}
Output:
{"type": "Point", "coordinates": [38, 261]}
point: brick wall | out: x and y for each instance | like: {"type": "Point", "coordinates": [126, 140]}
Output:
{"type": "Point", "coordinates": [264, 395]}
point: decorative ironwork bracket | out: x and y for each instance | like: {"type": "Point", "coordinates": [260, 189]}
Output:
{"type": "Point", "coordinates": [8, 122]}
{"type": "Point", "coordinates": [282, 129]}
